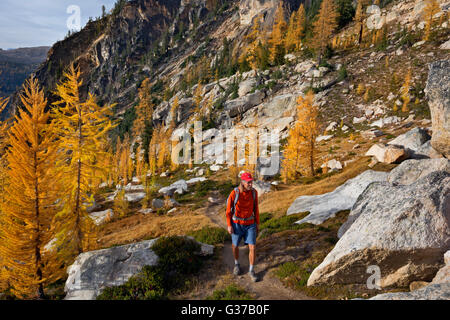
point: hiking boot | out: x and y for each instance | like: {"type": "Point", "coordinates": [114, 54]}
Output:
{"type": "Point", "coordinates": [236, 270]}
{"type": "Point", "coordinates": [253, 276]}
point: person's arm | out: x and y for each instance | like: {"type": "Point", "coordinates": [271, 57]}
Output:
{"type": "Point", "coordinates": [229, 205]}
{"type": "Point", "coordinates": [257, 210]}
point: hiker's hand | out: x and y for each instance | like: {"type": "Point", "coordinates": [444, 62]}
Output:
{"type": "Point", "coordinates": [257, 230]}
{"type": "Point", "coordinates": [230, 229]}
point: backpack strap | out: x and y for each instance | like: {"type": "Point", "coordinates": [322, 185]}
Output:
{"type": "Point", "coordinates": [233, 208]}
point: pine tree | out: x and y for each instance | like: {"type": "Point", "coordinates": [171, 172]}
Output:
{"type": "Point", "coordinates": [255, 39]}
{"type": "Point", "coordinates": [431, 8]}
{"type": "Point", "coordinates": [81, 127]}
{"type": "Point", "coordinates": [300, 151]}
{"type": "Point", "coordinates": [296, 29]}
{"type": "Point", "coordinates": [198, 97]}
{"type": "Point", "coordinates": [324, 26]}
{"type": "Point", "coordinates": [359, 19]}
{"type": "Point", "coordinates": [125, 160]}
{"type": "Point", "coordinates": [30, 197]}
{"type": "Point", "coordinates": [139, 162]}
{"type": "Point", "coordinates": [4, 126]}
{"type": "Point", "coordinates": [173, 112]}
{"type": "Point", "coordinates": [153, 150]}
{"type": "Point", "coordinates": [116, 161]}
{"type": "Point", "coordinates": [120, 206]}
{"type": "Point", "coordinates": [276, 40]}
{"type": "Point", "coordinates": [144, 110]}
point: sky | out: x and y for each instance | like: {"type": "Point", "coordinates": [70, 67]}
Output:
{"type": "Point", "coordinates": [32, 23]}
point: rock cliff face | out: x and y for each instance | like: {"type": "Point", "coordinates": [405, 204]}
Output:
{"type": "Point", "coordinates": [117, 52]}
{"type": "Point", "coordinates": [438, 93]}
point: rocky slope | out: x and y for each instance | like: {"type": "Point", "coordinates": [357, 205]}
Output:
{"type": "Point", "coordinates": [16, 65]}
{"type": "Point", "coordinates": [158, 39]}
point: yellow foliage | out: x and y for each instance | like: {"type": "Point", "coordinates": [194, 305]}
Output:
{"type": "Point", "coordinates": [324, 26]}
{"type": "Point", "coordinates": [81, 127]}
{"type": "Point", "coordinates": [431, 8]}
{"type": "Point", "coordinates": [359, 19]}
{"type": "Point", "coordinates": [395, 108]}
{"type": "Point", "coordinates": [295, 30]}
{"type": "Point", "coordinates": [276, 39]}
{"type": "Point", "coordinates": [299, 154]}
{"type": "Point", "coordinates": [173, 111]}
{"type": "Point", "coordinates": [120, 207]}
{"type": "Point", "coordinates": [144, 110]}
{"type": "Point", "coordinates": [404, 91]}
{"type": "Point", "coordinates": [30, 197]}
{"type": "Point", "coordinates": [360, 89]}
{"type": "Point", "coordinates": [366, 94]}
{"type": "Point", "coordinates": [251, 54]}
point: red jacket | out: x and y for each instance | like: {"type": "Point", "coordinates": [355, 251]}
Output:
{"type": "Point", "coordinates": [244, 207]}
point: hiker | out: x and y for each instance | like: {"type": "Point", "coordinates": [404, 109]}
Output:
{"type": "Point", "coordinates": [243, 221]}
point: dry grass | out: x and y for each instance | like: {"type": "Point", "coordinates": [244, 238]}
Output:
{"type": "Point", "coordinates": [139, 227]}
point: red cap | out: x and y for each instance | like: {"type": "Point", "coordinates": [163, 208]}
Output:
{"type": "Point", "coordinates": [246, 176]}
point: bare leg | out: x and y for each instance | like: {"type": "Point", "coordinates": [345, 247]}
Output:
{"type": "Point", "coordinates": [251, 253]}
{"type": "Point", "coordinates": [235, 252]}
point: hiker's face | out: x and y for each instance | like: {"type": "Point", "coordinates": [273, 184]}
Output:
{"type": "Point", "coordinates": [247, 184]}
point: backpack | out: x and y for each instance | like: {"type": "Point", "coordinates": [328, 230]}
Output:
{"type": "Point", "coordinates": [233, 207]}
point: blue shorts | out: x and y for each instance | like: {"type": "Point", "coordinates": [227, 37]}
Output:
{"type": "Point", "coordinates": [248, 232]}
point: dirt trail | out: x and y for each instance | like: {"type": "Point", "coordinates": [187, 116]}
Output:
{"type": "Point", "coordinates": [268, 287]}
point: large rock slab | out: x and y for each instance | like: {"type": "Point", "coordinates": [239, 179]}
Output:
{"type": "Point", "coordinates": [246, 86]}
{"type": "Point", "coordinates": [178, 187]}
{"type": "Point", "coordinates": [404, 230]}
{"type": "Point", "coordinates": [134, 197]}
{"type": "Point", "coordinates": [438, 289]}
{"type": "Point", "coordinates": [426, 151]}
{"type": "Point", "coordinates": [387, 153]}
{"type": "Point", "coordinates": [411, 140]}
{"type": "Point", "coordinates": [410, 171]}
{"type": "Point", "coordinates": [195, 180]}
{"type": "Point", "coordinates": [95, 270]}
{"type": "Point", "coordinates": [242, 104]}
{"type": "Point", "coordinates": [430, 292]}
{"type": "Point", "coordinates": [101, 217]}
{"type": "Point", "coordinates": [443, 275]}
{"type": "Point", "coordinates": [325, 206]}
{"type": "Point", "coordinates": [248, 9]}
{"type": "Point", "coordinates": [438, 93]}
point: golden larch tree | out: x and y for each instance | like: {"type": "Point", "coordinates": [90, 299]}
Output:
{"type": "Point", "coordinates": [254, 38]}
{"type": "Point", "coordinates": [81, 127]}
{"type": "Point", "coordinates": [431, 8]}
{"type": "Point", "coordinates": [300, 152]}
{"type": "Point", "coordinates": [174, 111]}
{"type": "Point", "coordinates": [404, 91]}
{"type": "Point", "coordinates": [30, 197]}
{"type": "Point", "coordinates": [276, 39]}
{"type": "Point", "coordinates": [144, 110]}
{"type": "Point", "coordinates": [296, 29]}
{"type": "Point", "coordinates": [4, 126]}
{"type": "Point", "coordinates": [359, 19]}
{"type": "Point", "coordinates": [324, 26]}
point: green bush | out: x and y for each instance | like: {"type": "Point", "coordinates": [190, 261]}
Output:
{"type": "Point", "coordinates": [177, 259]}
{"type": "Point", "coordinates": [232, 292]}
{"type": "Point", "coordinates": [211, 235]}
{"type": "Point", "coordinates": [293, 273]}
{"type": "Point", "coordinates": [274, 225]}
